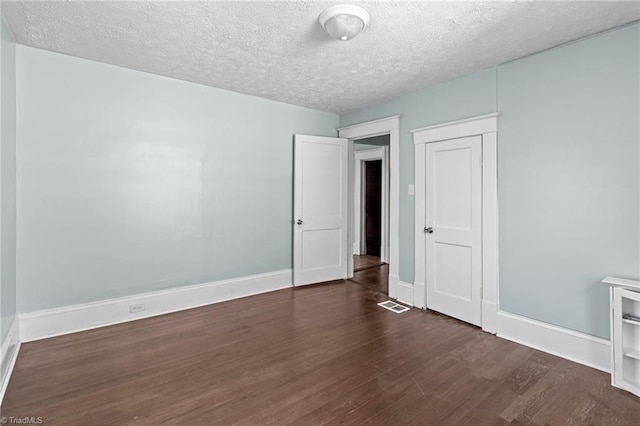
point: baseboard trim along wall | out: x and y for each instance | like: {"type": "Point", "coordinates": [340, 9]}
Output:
{"type": "Point", "coordinates": [572, 345]}
{"type": "Point", "coordinates": [489, 317]}
{"type": "Point", "coordinates": [419, 290]}
{"type": "Point", "coordinates": [8, 356]}
{"type": "Point", "coordinates": [393, 286]}
{"type": "Point", "coordinates": [401, 291]}
{"type": "Point", "coordinates": [71, 319]}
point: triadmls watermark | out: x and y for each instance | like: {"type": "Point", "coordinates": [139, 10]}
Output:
{"type": "Point", "coordinates": [26, 420]}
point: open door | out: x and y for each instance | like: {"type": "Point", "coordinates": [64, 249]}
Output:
{"type": "Point", "coordinates": [320, 209]}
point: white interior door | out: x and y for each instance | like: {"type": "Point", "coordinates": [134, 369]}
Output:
{"type": "Point", "coordinates": [320, 209]}
{"type": "Point", "coordinates": [454, 227]}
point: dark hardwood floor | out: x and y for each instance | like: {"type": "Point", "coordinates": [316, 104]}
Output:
{"type": "Point", "coordinates": [375, 278]}
{"type": "Point", "coordinates": [322, 354]}
{"type": "Point", "coordinates": [365, 261]}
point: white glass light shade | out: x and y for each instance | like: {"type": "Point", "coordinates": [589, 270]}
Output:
{"type": "Point", "coordinates": [344, 27]}
{"type": "Point", "coordinates": [344, 22]}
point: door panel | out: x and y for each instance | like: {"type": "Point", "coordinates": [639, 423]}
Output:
{"type": "Point", "coordinates": [454, 270]}
{"type": "Point", "coordinates": [320, 209]}
{"type": "Point", "coordinates": [454, 213]}
{"type": "Point", "coordinates": [314, 243]}
{"type": "Point", "coordinates": [452, 178]}
{"type": "Point", "coordinates": [322, 176]}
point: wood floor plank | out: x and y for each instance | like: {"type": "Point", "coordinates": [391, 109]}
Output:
{"type": "Point", "coordinates": [374, 278]}
{"type": "Point", "coordinates": [529, 373]}
{"type": "Point", "coordinates": [532, 401]}
{"type": "Point", "coordinates": [365, 261]}
{"type": "Point", "coordinates": [492, 402]}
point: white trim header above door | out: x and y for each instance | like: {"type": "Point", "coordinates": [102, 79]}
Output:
{"type": "Point", "coordinates": [381, 126]}
{"type": "Point", "coordinates": [487, 123]}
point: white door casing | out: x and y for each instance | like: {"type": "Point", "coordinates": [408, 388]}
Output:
{"type": "Point", "coordinates": [320, 219]}
{"type": "Point", "coordinates": [485, 127]}
{"type": "Point", "coordinates": [385, 126]}
{"type": "Point", "coordinates": [453, 185]}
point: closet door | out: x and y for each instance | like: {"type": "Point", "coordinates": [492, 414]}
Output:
{"type": "Point", "coordinates": [453, 174]}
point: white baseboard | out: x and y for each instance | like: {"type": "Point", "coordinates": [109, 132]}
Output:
{"type": "Point", "coordinates": [400, 290]}
{"type": "Point", "coordinates": [356, 248]}
{"type": "Point", "coordinates": [71, 319]}
{"type": "Point", "coordinates": [489, 317]}
{"type": "Point", "coordinates": [419, 295]}
{"type": "Point", "coordinates": [572, 345]}
{"type": "Point", "coordinates": [8, 356]}
{"type": "Point", "coordinates": [393, 286]}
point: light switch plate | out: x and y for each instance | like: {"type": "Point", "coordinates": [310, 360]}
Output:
{"type": "Point", "coordinates": [412, 189]}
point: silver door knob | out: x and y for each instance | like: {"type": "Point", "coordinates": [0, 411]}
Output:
{"type": "Point", "coordinates": [299, 221]}
{"type": "Point", "coordinates": [428, 230]}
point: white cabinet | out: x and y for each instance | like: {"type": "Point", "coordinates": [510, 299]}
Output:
{"type": "Point", "coordinates": [625, 334]}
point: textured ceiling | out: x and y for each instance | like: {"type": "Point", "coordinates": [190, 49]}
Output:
{"type": "Point", "coordinates": [277, 50]}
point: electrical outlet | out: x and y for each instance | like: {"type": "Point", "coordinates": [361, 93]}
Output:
{"type": "Point", "coordinates": [412, 189]}
{"type": "Point", "coordinates": [138, 307]}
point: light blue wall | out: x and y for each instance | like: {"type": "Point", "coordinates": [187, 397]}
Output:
{"type": "Point", "coordinates": [370, 143]}
{"type": "Point", "coordinates": [130, 182]}
{"type": "Point", "coordinates": [7, 181]}
{"type": "Point", "coordinates": [363, 146]}
{"type": "Point", "coordinates": [569, 173]}
{"type": "Point", "coordinates": [569, 160]}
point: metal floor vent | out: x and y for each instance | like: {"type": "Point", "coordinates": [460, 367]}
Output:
{"type": "Point", "coordinates": [393, 306]}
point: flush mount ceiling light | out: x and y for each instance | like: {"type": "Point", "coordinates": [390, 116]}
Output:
{"type": "Point", "coordinates": [344, 22]}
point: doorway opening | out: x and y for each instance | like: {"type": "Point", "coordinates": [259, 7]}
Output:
{"type": "Point", "coordinates": [371, 213]}
{"type": "Point", "coordinates": [371, 208]}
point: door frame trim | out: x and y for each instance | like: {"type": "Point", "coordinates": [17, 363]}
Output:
{"type": "Point", "coordinates": [485, 126]}
{"type": "Point", "coordinates": [359, 194]}
{"type": "Point", "coordinates": [384, 126]}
